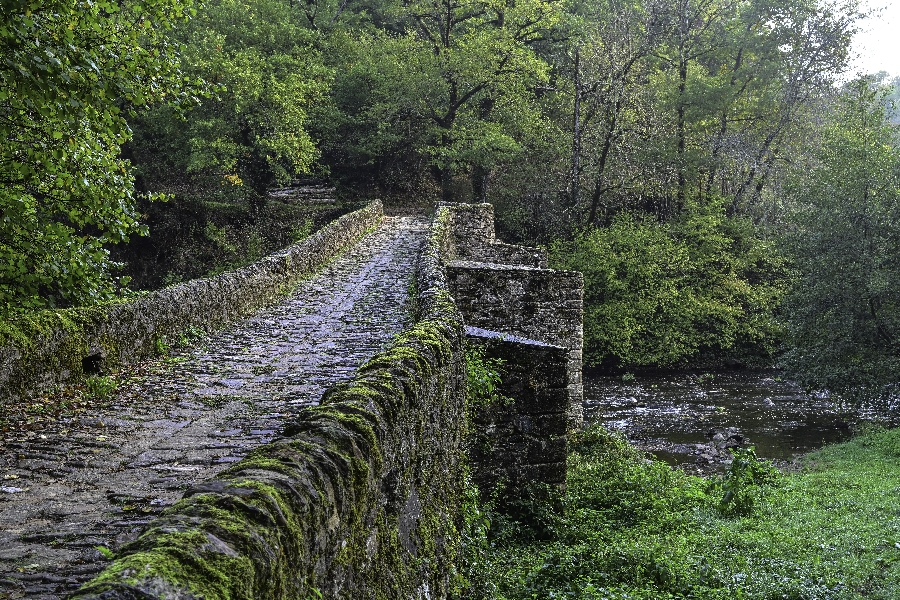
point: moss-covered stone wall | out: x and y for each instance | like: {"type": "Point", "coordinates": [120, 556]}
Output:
{"type": "Point", "coordinates": [358, 500]}
{"type": "Point", "coordinates": [57, 346]}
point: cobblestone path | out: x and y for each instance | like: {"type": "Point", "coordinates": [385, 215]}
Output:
{"type": "Point", "coordinates": [94, 482]}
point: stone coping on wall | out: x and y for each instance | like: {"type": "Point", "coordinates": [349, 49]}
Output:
{"type": "Point", "coordinates": [479, 333]}
{"type": "Point", "coordinates": [477, 264]}
{"type": "Point", "coordinates": [52, 347]}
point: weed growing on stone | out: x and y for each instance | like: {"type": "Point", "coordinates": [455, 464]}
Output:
{"type": "Point", "coordinates": [483, 377]}
{"type": "Point", "coordinates": [263, 369]}
{"type": "Point", "coordinates": [162, 346]}
{"type": "Point", "coordinates": [191, 336]}
{"type": "Point", "coordinates": [301, 232]}
{"type": "Point", "coordinates": [220, 400]}
{"type": "Point", "coordinates": [100, 387]}
{"type": "Point", "coordinates": [635, 528]}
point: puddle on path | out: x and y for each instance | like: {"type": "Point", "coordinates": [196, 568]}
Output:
{"type": "Point", "coordinates": [688, 419]}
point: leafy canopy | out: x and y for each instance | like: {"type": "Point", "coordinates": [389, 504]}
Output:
{"type": "Point", "coordinates": [252, 133]}
{"type": "Point", "coordinates": [843, 313]}
{"type": "Point", "coordinates": [69, 70]}
{"type": "Point", "coordinates": [660, 294]}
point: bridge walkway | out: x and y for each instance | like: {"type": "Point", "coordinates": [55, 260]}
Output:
{"type": "Point", "coordinates": [91, 482]}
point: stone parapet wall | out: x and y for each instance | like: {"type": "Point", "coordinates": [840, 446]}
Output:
{"type": "Point", "coordinates": [359, 499]}
{"type": "Point", "coordinates": [471, 226]}
{"type": "Point", "coordinates": [509, 254]}
{"type": "Point", "coordinates": [519, 296]}
{"type": "Point", "coordinates": [539, 304]}
{"type": "Point", "coordinates": [59, 346]}
{"type": "Point", "coordinates": [520, 438]}
{"type": "Point", "coordinates": [530, 318]}
{"type": "Point", "coordinates": [472, 239]}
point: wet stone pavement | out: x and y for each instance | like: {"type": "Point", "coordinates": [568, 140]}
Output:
{"type": "Point", "coordinates": [84, 485]}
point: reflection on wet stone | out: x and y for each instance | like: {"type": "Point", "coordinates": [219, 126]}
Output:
{"type": "Point", "coordinates": [193, 416]}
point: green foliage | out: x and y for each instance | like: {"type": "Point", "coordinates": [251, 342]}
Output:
{"type": "Point", "coordinates": [68, 72]}
{"type": "Point", "coordinates": [300, 232]}
{"type": "Point", "coordinates": [198, 237]}
{"type": "Point", "coordinates": [483, 378]}
{"type": "Point", "coordinates": [448, 88]}
{"type": "Point", "coordinates": [467, 580]}
{"type": "Point", "coordinates": [100, 387]}
{"type": "Point", "coordinates": [635, 528]}
{"type": "Point", "coordinates": [658, 294]}
{"type": "Point", "coordinates": [843, 314]}
{"type": "Point", "coordinates": [252, 133]}
{"type": "Point", "coordinates": [162, 346]}
{"type": "Point", "coordinates": [741, 485]}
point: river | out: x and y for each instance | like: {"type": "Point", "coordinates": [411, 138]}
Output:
{"type": "Point", "coordinates": [691, 419]}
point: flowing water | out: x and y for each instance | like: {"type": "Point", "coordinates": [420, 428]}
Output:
{"type": "Point", "coordinates": [693, 419]}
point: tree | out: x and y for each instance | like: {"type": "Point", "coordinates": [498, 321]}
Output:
{"type": "Point", "coordinates": [252, 133]}
{"type": "Point", "coordinates": [695, 99]}
{"type": "Point", "coordinates": [610, 72]}
{"type": "Point", "coordinates": [662, 294]}
{"type": "Point", "coordinates": [69, 71]}
{"type": "Point", "coordinates": [456, 78]}
{"type": "Point", "coordinates": [843, 314]}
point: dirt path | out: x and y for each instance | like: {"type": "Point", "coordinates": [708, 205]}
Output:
{"type": "Point", "coordinates": [95, 481]}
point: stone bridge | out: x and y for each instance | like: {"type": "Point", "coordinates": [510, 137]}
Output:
{"type": "Point", "coordinates": [315, 442]}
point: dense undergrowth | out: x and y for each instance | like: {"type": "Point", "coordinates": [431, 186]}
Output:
{"type": "Point", "coordinates": [700, 289]}
{"type": "Point", "coordinates": [635, 528]}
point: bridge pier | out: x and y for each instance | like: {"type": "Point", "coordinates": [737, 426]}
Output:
{"type": "Point", "coordinates": [530, 317]}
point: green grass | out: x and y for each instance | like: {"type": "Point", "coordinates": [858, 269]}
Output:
{"type": "Point", "coordinates": [635, 528]}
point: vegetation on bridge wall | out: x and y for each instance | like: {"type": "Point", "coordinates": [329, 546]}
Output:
{"type": "Point", "coordinates": [358, 501]}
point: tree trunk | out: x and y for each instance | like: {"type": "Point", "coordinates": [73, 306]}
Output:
{"type": "Point", "coordinates": [612, 123]}
{"type": "Point", "coordinates": [576, 134]}
{"type": "Point", "coordinates": [680, 133]}
{"type": "Point", "coordinates": [481, 175]}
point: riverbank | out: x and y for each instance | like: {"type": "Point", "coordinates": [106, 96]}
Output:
{"type": "Point", "coordinates": [691, 419]}
{"type": "Point", "coordinates": [638, 529]}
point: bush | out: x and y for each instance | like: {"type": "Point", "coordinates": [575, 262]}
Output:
{"type": "Point", "coordinates": [661, 294]}
{"type": "Point", "coordinates": [742, 483]}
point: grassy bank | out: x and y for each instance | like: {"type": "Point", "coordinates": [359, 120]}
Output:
{"type": "Point", "coordinates": [637, 529]}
